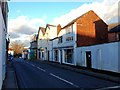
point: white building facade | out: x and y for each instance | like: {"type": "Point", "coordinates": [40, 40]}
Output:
{"type": "Point", "coordinates": [102, 56]}
{"type": "Point", "coordinates": [40, 52]}
{"type": "Point", "coordinates": [3, 35]}
{"type": "Point", "coordinates": [44, 43]}
{"type": "Point", "coordinates": [64, 44]}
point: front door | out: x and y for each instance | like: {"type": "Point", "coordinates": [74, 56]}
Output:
{"type": "Point", "coordinates": [88, 59]}
{"type": "Point", "coordinates": [60, 56]}
{"type": "Point", "coordinates": [48, 55]}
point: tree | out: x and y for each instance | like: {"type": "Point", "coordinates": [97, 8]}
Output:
{"type": "Point", "coordinates": [17, 47]}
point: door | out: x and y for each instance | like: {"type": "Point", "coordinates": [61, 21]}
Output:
{"type": "Point", "coordinates": [48, 55]}
{"type": "Point", "coordinates": [88, 59]}
{"type": "Point", "coordinates": [60, 56]}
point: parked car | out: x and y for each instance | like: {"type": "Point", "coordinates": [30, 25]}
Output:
{"type": "Point", "coordinates": [10, 57]}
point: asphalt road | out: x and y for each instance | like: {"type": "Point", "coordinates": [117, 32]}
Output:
{"type": "Point", "coordinates": [40, 75]}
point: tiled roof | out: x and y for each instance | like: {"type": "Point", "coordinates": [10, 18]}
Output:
{"type": "Point", "coordinates": [115, 29]}
{"type": "Point", "coordinates": [50, 25]}
{"type": "Point", "coordinates": [75, 20]}
{"type": "Point", "coordinates": [42, 29]}
{"type": "Point", "coordinates": [78, 18]}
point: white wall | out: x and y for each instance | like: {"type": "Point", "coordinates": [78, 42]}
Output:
{"type": "Point", "coordinates": [2, 49]}
{"type": "Point", "coordinates": [119, 56]}
{"type": "Point", "coordinates": [1, 32]}
{"type": "Point", "coordinates": [51, 50]}
{"type": "Point", "coordinates": [104, 56]}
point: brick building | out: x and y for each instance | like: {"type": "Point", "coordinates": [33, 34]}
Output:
{"type": "Point", "coordinates": [114, 34]}
{"type": "Point", "coordinates": [91, 29]}
{"type": "Point", "coordinates": [88, 29]}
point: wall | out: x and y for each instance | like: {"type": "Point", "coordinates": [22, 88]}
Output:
{"type": "Point", "coordinates": [1, 32]}
{"type": "Point", "coordinates": [65, 44]}
{"type": "Point", "coordinates": [119, 56]}
{"type": "Point", "coordinates": [91, 30]}
{"type": "Point", "coordinates": [112, 37]}
{"type": "Point", "coordinates": [2, 49]}
{"type": "Point", "coordinates": [104, 56]}
{"type": "Point", "coordinates": [64, 35]}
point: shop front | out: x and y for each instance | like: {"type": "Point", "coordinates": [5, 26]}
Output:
{"type": "Point", "coordinates": [68, 53]}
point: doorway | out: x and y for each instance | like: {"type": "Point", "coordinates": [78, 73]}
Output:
{"type": "Point", "coordinates": [60, 56]}
{"type": "Point", "coordinates": [88, 59]}
{"type": "Point", "coordinates": [48, 55]}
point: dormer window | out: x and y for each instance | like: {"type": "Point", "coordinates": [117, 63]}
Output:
{"type": "Point", "coordinates": [118, 37]}
{"type": "Point", "coordinates": [69, 29]}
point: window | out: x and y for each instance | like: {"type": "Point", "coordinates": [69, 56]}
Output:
{"type": "Point", "coordinates": [56, 55]}
{"type": "Point", "coordinates": [42, 54]}
{"type": "Point", "coordinates": [70, 38]}
{"type": "Point", "coordinates": [39, 54]}
{"type": "Point", "coordinates": [69, 29]}
{"type": "Point", "coordinates": [69, 55]}
{"type": "Point", "coordinates": [60, 40]}
{"type": "Point", "coordinates": [119, 37]}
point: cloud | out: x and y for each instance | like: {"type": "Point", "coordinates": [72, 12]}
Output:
{"type": "Point", "coordinates": [105, 9]}
{"type": "Point", "coordinates": [25, 39]}
{"type": "Point", "coordinates": [25, 25]}
{"type": "Point", "coordinates": [25, 30]}
{"type": "Point", "coordinates": [22, 27]}
{"type": "Point", "coordinates": [14, 35]}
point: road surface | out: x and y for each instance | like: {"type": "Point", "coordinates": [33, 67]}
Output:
{"type": "Point", "coordinates": [40, 75]}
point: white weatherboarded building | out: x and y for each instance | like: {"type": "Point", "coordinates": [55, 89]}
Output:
{"type": "Point", "coordinates": [102, 56]}
{"type": "Point", "coordinates": [3, 33]}
{"type": "Point", "coordinates": [44, 43]}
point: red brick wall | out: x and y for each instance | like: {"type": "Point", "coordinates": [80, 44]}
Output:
{"type": "Point", "coordinates": [91, 30]}
{"type": "Point", "coordinates": [112, 37]}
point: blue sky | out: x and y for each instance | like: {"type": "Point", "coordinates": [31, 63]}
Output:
{"type": "Point", "coordinates": [25, 18]}
{"type": "Point", "coordinates": [48, 10]}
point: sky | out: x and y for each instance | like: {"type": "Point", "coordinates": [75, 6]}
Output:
{"type": "Point", "coordinates": [25, 18]}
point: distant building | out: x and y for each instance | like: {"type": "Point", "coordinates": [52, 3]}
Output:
{"type": "Point", "coordinates": [114, 34]}
{"type": "Point", "coordinates": [44, 44]}
{"type": "Point", "coordinates": [33, 47]}
{"type": "Point", "coordinates": [11, 51]}
{"type": "Point", "coordinates": [3, 39]}
{"type": "Point", "coordinates": [25, 53]}
{"type": "Point", "coordinates": [40, 41]}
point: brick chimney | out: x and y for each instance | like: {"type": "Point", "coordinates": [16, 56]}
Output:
{"type": "Point", "coordinates": [58, 29]}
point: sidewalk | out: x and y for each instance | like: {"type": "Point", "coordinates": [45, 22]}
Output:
{"type": "Point", "coordinates": [110, 76]}
{"type": "Point", "coordinates": [10, 81]}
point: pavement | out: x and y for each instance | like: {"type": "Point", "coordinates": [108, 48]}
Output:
{"type": "Point", "coordinates": [11, 81]}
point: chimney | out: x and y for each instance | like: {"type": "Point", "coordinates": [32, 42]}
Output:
{"type": "Point", "coordinates": [58, 29]}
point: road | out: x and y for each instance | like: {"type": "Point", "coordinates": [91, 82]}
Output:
{"type": "Point", "coordinates": [40, 75]}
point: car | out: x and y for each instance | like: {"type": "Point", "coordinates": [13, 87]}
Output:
{"type": "Point", "coordinates": [10, 57]}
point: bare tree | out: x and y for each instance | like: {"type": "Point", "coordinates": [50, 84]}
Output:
{"type": "Point", "coordinates": [17, 47]}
